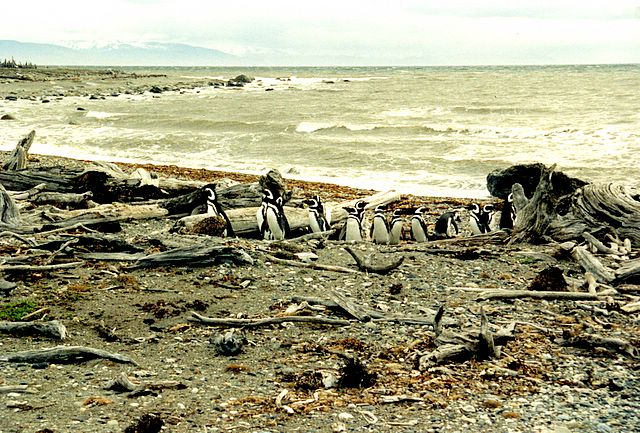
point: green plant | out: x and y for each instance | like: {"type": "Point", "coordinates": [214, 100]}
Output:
{"type": "Point", "coordinates": [15, 311]}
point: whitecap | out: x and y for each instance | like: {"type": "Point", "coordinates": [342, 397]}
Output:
{"type": "Point", "coordinates": [100, 114]}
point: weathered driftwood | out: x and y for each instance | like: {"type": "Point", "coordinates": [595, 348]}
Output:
{"type": "Point", "coordinates": [479, 344]}
{"type": "Point", "coordinates": [63, 200]}
{"type": "Point", "coordinates": [522, 294]}
{"type": "Point", "coordinates": [591, 264]}
{"type": "Point", "coordinates": [64, 355]}
{"type": "Point", "coordinates": [365, 265]}
{"type": "Point", "coordinates": [589, 341]}
{"type": "Point", "coordinates": [39, 268]}
{"type": "Point", "coordinates": [9, 213]}
{"type": "Point", "coordinates": [254, 323]}
{"type": "Point", "coordinates": [566, 212]}
{"type": "Point", "coordinates": [20, 155]}
{"type": "Point", "coordinates": [121, 384]}
{"type": "Point", "coordinates": [533, 219]}
{"type": "Point", "coordinates": [197, 255]}
{"type": "Point", "coordinates": [355, 310]}
{"type": "Point", "coordinates": [629, 272]}
{"type": "Point", "coordinates": [25, 195]}
{"type": "Point", "coordinates": [310, 265]}
{"type": "Point", "coordinates": [600, 208]}
{"type": "Point", "coordinates": [337, 304]}
{"type": "Point", "coordinates": [57, 179]}
{"type": "Point", "coordinates": [53, 329]}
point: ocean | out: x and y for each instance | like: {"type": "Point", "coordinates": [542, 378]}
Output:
{"type": "Point", "coordinates": [422, 130]}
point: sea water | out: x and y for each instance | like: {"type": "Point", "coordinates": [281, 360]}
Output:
{"type": "Point", "coordinates": [422, 130]}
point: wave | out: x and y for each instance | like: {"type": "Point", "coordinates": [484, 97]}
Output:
{"type": "Point", "coordinates": [101, 115]}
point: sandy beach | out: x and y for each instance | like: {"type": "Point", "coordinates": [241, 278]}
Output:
{"type": "Point", "coordinates": [295, 375]}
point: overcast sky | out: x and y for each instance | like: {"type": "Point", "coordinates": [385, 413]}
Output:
{"type": "Point", "coordinates": [420, 32]}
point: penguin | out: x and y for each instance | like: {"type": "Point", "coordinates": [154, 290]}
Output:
{"type": "Point", "coordinates": [319, 219]}
{"type": "Point", "coordinates": [446, 226]}
{"type": "Point", "coordinates": [489, 212]}
{"type": "Point", "coordinates": [214, 208]}
{"type": "Point", "coordinates": [379, 226]}
{"type": "Point", "coordinates": [419, 230]}
{"type": "Point", "coordinates": [481, 219]}
{"type": "Point", "coordinates": [360, 206]}
{"type": "Point", "coordinates": [272, 222]}
{"type": "Point", "coordinates": [397, 223]}
{"type": "Point", "coordinates": [353, 228]}
{"type": "Point", "coordinates": [508, 215]}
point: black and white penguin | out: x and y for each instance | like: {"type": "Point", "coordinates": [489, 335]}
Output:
{"type": "Point", "coordinates": [489, 212]}
{"type": "Point", "coordinates": [272, 222]}
{"type": "Point", "coordinates": [360, 206]}
{"type": "Point", "coordinates": [419, 230]}
{"type": "Point", "coordinates": [319, 218]}
{"type": "Point", "coordinates": [379, 226]}
{"type": "Point", "coordinates": [508, 215]}
{"type": "Point", "coordinates": [481, 218]}
{"type": "Point", "coordinates": [397, 224]}
{"type": "Point", "coordinates": [214, 208]}
{"type": "Point", "coordinates": [353, 227]}
{"type": "Point", "coordinates": [446, 226]}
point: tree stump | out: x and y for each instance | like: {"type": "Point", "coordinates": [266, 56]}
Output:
{"type": "Point", "coordinates": [20, 155]}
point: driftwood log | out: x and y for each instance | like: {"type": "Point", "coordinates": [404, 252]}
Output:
{"type": "Point", "coordinates": [20, 155]}
{"type": "Point", "coordinates": [53, 329]}
{"type": "Point", "coordinates": [9, 213]}
{"type": "Point", "coordinates": [594, 209]}
{"type": "Point", "coordinates": [197, 255]}
{"type": "Point", "coordinates": [253, 323]}
{"type": "Point", "coordinates": [64, 355]}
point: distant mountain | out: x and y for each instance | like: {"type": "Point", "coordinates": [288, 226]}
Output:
{"type": "Point", "coordinates": [148, 54]}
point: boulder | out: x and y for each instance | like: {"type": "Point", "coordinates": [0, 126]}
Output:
{"type": "Point", "coordinates": [7, 117]}
{"type": "Point", "coordinates": [499, 182]}
{"type": "Point", "coordinates": [245, 79]}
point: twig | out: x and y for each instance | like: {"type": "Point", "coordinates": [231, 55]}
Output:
{"type": "Point", "coordinates": [43, 268]}
{"type": "Point", "coordinates": [519, 294]}
{"type": "Point", "coordinates": [253, 323]}
{"type": "Point", "coordinates": [27, 241]}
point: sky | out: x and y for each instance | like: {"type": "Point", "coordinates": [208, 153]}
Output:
{"type": "Point", "coordinates": [358, 32]}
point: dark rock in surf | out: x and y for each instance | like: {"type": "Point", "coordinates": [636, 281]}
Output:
{"type": "Point", "coordinates": [7, 117]}
{"type": "Point", "coordinates": [155, 89]}
{"type": "Point", "coordinates": [499, 182]}
{"type": "Point", "coordinates": [245, 79]}
{"type": "Point", "coordinates": [240, 81]}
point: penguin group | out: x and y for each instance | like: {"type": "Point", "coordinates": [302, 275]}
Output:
{"type": "Point", "coordinates": [384, 227]}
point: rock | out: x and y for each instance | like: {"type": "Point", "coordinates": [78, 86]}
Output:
{"type": "Point", "coordinates": [11, 98]}
{"type": "Point", "coordinates": [8, 117]}
{"type": "Point", "coordinates": [155, 89]}
{"type": "Point", "coordinates": [229, 344]}
{"type": "Point", "coordinates": [240, 81]}
{"type": "Point", "coordinates": [499, 182]}
{"type": "Point", "coordinates": [244, 79]}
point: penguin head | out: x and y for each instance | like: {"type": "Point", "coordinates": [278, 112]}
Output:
{"type": "Point", "coordinates": [313, 202]}
{"type": "Point", "coordinates": [510, 197]}
{"type": "Point", "coordinates": [474, 208]}
{"type": "Point", "coordinates": [210, 191]}
{"type": "Point", "coordinates": [360, 205]}
{"type": "Point", "coordinates": [267, 195]}
{"type": "Point", "coordinates": [420, 210]}
{"type": "Point", "coordinates": [380, 209]}
{"type": "Point", "coordinates": [488, 208]}
{"type": "Point", "coordinates": [351, 210]}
